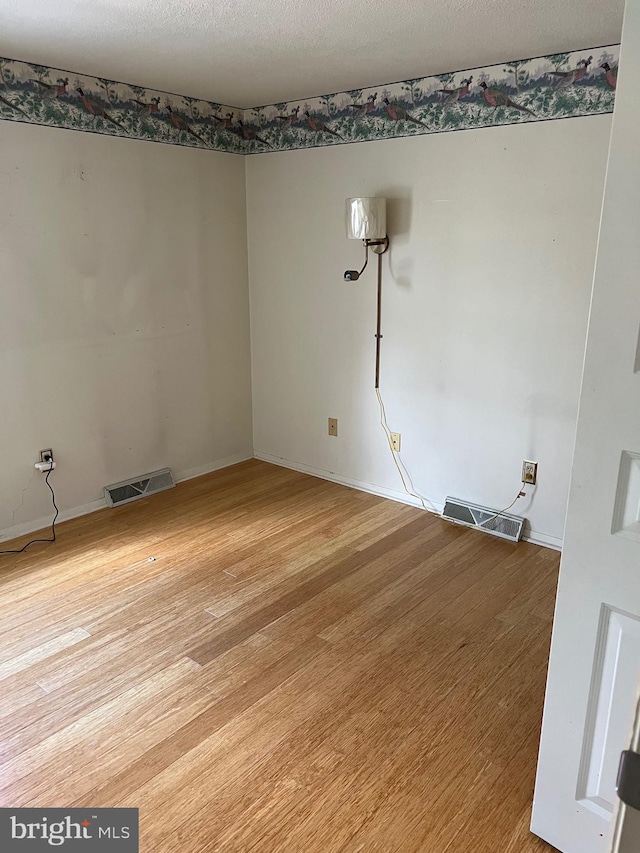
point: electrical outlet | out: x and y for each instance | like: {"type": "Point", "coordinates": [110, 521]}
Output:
{"type": "Point", "coordinates": [46, 455]}
{"type": "Point", "coordinates": [395, 441]}
{"type": "Point", "coordinates": [529, 473]}
{"type": "Point", "coordinates": [333, 426]}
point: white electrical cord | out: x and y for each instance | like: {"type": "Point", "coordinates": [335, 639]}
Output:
{"type": "Point", "coordinates": [50, 465]}
{"type": "Point", "coordinates": [398, 460]}
{"type": "Point", "coordinates": [521, 494]}
{"type": "Point", "coordinates": [414, 494]}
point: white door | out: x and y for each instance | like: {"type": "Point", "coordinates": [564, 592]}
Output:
{"type": "Point", "coordinates": [595, 652]}
{"type": "Point", "coordinates": [626, 835]}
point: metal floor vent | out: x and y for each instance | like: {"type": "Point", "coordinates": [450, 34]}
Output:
{"type": "Point", "coordinates": [132, 490]}
{"type": "Point", "coordinates": [505, 525]}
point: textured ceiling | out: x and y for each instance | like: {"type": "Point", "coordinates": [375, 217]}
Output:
{"type": "Point", "coordinates": [248, 52]}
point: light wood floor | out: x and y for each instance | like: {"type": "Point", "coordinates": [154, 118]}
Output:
{"type": "Point", "coordinates": [261, 660]}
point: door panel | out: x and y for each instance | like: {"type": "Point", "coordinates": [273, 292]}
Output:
{"type": "Point", "coordinates": [616, 673]}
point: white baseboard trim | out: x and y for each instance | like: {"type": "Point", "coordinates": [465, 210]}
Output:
{"type": "Point", "coordinates": [27, 527]}
{"type": "Point", "coordinates": [533, 536]}
{"type": "Point", "coordinates": [209, 468]}
{"type": "Point", "coordinates": [544, 539]}
{"type": "Point", "coordinates": [44, 524]}
{"type": "Point", "coordinates": [18, 530]}
{"type": "Point", "coordinates": [360, 485]}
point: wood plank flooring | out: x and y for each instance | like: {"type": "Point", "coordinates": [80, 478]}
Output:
{"type": "Point", "coordinates": [263, 661]}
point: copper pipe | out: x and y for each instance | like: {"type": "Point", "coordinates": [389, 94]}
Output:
{"type": "Point", "coordinates": [379, 321]}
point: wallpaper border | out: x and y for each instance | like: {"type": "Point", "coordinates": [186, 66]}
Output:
{"type": "Point", "coordinates": [544, 88]}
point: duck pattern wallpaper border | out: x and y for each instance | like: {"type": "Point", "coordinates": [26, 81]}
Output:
{"type": "Point", "coordinates": [565, 85]}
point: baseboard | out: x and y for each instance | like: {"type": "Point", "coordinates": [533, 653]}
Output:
{"type": "Point", "coordinates": [533, 536]}
{"type": "Point", "coordinates": [17, 530]}
{"type": "Point", "coordinates": [209, 468]}
{"type": "Point", "coordinates": [360, 485]}
{"type": "Point", "coordinates": [544, 539]}
{"type": "Point", "coordinates": [42, 524]}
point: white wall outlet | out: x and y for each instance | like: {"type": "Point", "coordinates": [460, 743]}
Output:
{"type": "Point", "coordinates": [395, 441]}
{"type": "Point", "coordinates": [529, 473]}
{"type": "Point", "coordinates": [46, 455]}
{"type": "Point", "coordinates": [333, 426]}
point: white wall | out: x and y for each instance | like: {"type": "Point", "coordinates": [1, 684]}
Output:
{"type": "Point", "coordinates": [124, 318]}
{"type": "Point", "coordinates": [486, 294]}
{"type": "Point", "coordinates": [124, 323]}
